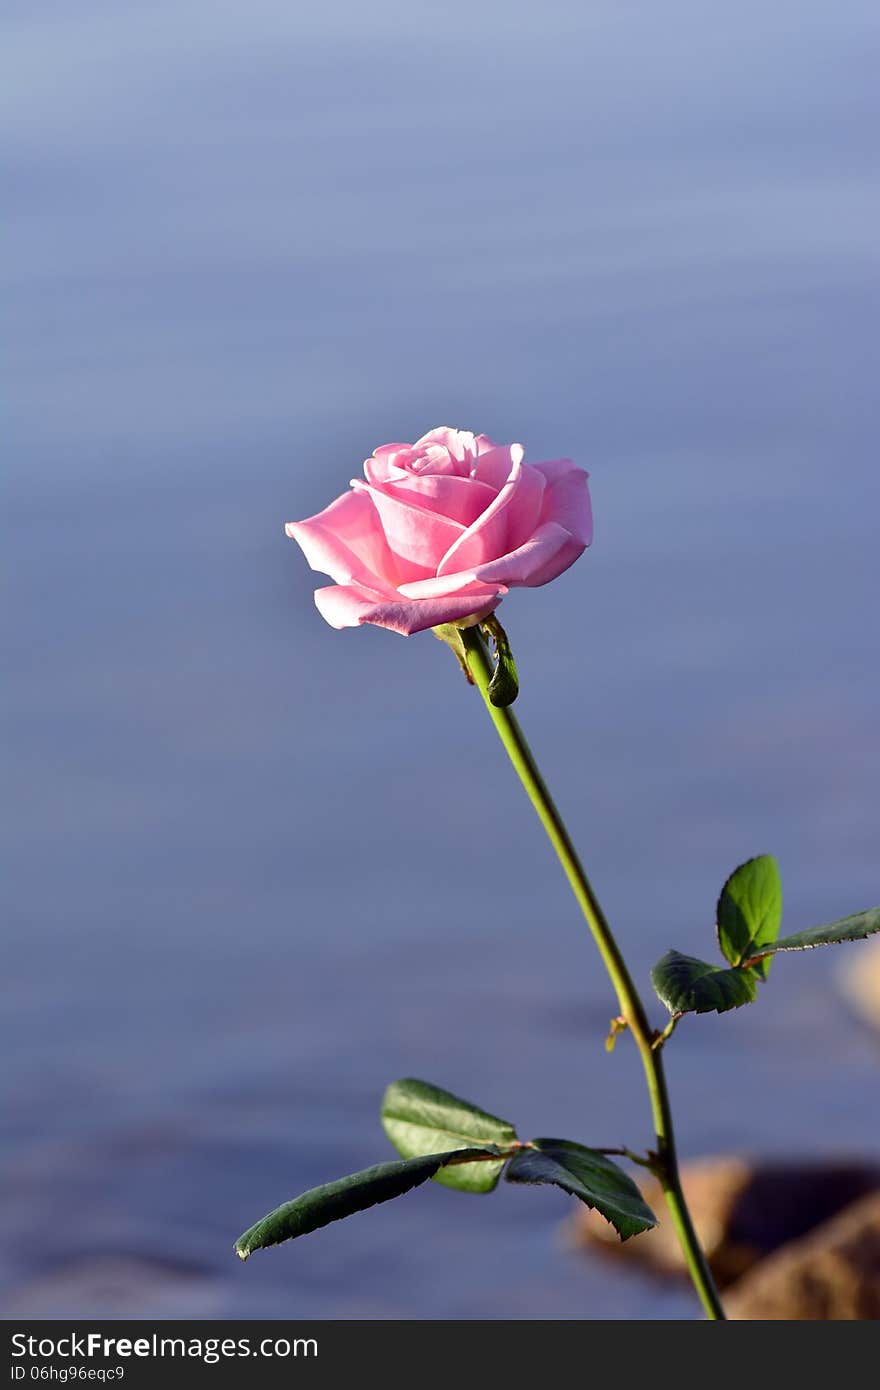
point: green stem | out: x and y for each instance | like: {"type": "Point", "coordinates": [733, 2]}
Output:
{"type": "Point", "coordinates": [631, 1006]}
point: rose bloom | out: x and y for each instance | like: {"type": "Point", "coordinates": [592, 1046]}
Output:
{"type": "Point", "coordinates": [442, 529]}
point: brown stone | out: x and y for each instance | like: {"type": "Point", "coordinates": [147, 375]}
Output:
{"type": "Point", "coordinates": [743, 1210]}
{"type": "Point", "coordinates": [831, 1275]}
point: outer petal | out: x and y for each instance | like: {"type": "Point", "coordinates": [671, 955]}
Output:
{"type": "Point", "coordinates": [346, 541]}
{"type": "Point", "coordinates": [344, 605]}
{"type": "Point", "coordinates": [546, 554]}
{"type": "Point", "coordinates": [448, 584]}
{"type": "Point", "coordinates": [351, 605]}
{"type": "Point", "coordinates": [502, 527]}
{"type": "Point", "coordinates": [418, 539]}
{"type": "Point", "coordinates": [567, 498]}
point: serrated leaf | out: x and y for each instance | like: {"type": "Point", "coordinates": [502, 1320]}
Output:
{"type": "Point", "coordinates": [853, 928]}
{"type": "Point", "coordinates": [421, 1119]}
{"type": "Point", "coordinates": [335, 1200]}
{"type": "Point", "coordinates": [588, 1175]}
{"type": "Point", "coordinates": [690, 986]}
{"type": "Point", "coordinates": [750, 911]}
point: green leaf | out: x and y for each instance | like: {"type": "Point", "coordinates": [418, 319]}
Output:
{"type": "Point", "coordinates": [588, 1175]}
{"type": "Point", "coordinates": [334, 1200]}
{"type": "Point", "coordinates": [422, 1119]}
{"type": "Point", "coordinates": [750, 911]}
{"type": "Point", "coordinates": [690, 986]}
{"type": "Point", "coordinates": [853, 928]}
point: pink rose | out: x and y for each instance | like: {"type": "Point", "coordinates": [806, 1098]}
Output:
{"type": "Point", "coordinates": [442, 529]}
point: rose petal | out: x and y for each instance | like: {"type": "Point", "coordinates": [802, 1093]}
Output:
{"type": "Point", "coordinates": [387, 462]}
{"type": "Point", "coordinates": [459, 444]}
{"type": "Point", "coordinates": [546, 554]}
{"type": "Point", "coordinates": [416, 538]}
{"type": "Point", "coordinates": [436, 460]}
{"type": "Point", "coordinates": [567, 498]}
{"type": "Point", "coordinates": [494, 466]}
{"type": "Point", "coordinates": [351, 605]}
{"type": "Point", "coordinates": [459, 499]}
{"type": "Point", "coordinates": [344, 605]}
{"type": "Point", "coordinates": [444, 585]}
{"type": "Point", "coordinates": [345, 540]}
{"type": "Point", "coordinates": [503, 526]}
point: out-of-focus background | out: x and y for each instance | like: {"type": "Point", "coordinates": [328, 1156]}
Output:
{"type": "Point", "coordinates": [258, 868]}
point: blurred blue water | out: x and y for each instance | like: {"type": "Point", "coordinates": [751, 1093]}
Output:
{"type": "Point", "coordinates": [258, 868]}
